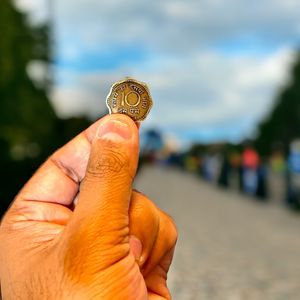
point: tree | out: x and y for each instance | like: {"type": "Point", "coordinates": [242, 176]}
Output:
{"type": "Point", "coordinates": [283, 123]}
{"type": "Point", "coordinates": [29, 128]}
{"type": "Point", "coordinates": [23, 104]}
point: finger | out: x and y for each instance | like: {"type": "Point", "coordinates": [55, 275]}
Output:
{"type": "Point", "coordinates": [143, 223]}
{"type": "Point", "coordinates": [157, 233]}
{"type": "Point", "coordinates": [156, 280]}
{"type": "Point", "coordinates": [57, 180]}
{"type": "Point", "coordinates": [37, 211]}
{"type": "Point", "coordinates": [156, 269]}
{"type": "Point", "coordinates": [106, 189]}
{"type": "Point", "coordinates": [165, 243]}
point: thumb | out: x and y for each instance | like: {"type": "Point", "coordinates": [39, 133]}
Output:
{"type": "Point", "coordinates": [105, 191]}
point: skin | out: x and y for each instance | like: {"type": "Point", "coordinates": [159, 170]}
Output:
{"type": "Point", "coordinates": [113, 243]}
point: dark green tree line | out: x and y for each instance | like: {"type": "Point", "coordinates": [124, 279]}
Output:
{"type": "Point", "coordinates": [283, 123]}
{"type": "Point", "coordinates": [29, 128]}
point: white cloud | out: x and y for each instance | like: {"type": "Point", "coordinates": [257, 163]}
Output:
{"type": "Point", "coordinates": [38, 9]}
{"type": "Point", "coordinates": [70, 101]}
{"type": "Point", "coordinates": [208, 91]}
{"type": "Point", "coordinates": [170, 25]}
{"type": "Point", "coordinates": [211, 64]}
{"type": "Point", "coordinates": [173, 25]}
{"type": "Point", "coordinates": [27, 5]}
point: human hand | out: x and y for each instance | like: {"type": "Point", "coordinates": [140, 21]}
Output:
{"type": "Point", "coordinates": [113, 244]}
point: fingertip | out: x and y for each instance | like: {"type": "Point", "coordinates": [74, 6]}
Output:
{"type": "Point", "coordinates": [117, 128]}
{"type": "Point", "coordinates": [93, 130]}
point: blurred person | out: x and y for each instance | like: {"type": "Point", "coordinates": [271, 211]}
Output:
{"type": "Point", "coordinates": [191, 163]}
{"type": "Point", "coordinates": [211, 166]}
{"type": "Point", "coordinates": [250, 163]}
{"type": "Point", "coordinates": [293, 175]}
{"type": "Point", "coordinates": [278, 163]}
{"type": "Point", "coordinates": [175, 159]}
{"type": "Point", "coordinates": [200, 165]}
{"type": "Point", "coordinates": [235, 169]}
{"type": "Point", "coordinates": [110, 243]}
{"type": "Point", "coordinates": [225, 171]}
{"type": "Point", "coordinates": [277, 175]}
{"type": "Point", "coordinates": [262, 191]}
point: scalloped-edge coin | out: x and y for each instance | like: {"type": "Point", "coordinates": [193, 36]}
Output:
{"type": "Point", "coordinates": [130, 97]}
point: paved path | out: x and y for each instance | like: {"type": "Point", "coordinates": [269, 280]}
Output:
{"type": "Point", "coordinates": [230, 247]}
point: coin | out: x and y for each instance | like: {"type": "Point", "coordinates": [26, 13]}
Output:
{"type": "Point", "coordinates": [130, 97]}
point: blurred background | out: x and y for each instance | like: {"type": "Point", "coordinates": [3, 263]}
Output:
{"type": "Point", "coordinates": [220, 151]}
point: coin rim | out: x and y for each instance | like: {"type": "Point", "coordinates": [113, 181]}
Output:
{"type": "Point", "coordinates": [138, 82]}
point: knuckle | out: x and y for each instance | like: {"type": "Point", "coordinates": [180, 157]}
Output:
{"type": "Point", "coordinates": [143, 212]}
{"type": "Point", "coordinates": [141, 204]}
{"type": "Point", "coordinates": [142, 208]}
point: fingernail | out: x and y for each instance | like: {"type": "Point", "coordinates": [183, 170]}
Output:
{"type": "Point", "coordinates": [114, 130]}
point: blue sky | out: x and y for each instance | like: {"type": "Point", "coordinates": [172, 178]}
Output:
{"type": "Point", "coordinates": [214, 67]}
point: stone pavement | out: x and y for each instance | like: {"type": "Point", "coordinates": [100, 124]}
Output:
{"type": "Point", "coordinates": [230, 247]}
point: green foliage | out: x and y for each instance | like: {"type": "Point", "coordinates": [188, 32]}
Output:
{"type": "Point", "coordinates": [29, 128]}
{"type": "Point", "coordinates": [283, 124]}
{"type": "Point", "coordinates": [23, 105]}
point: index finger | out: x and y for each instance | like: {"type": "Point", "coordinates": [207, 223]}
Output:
{"type": "Point", "coordinates": [58, 179]}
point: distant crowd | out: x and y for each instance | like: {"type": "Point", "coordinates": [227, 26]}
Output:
{"type": "Point", "coordinates": [273, 178]}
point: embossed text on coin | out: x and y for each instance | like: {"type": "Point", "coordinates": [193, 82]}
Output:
{"type": "Point", "coordinates": [130, 97]}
